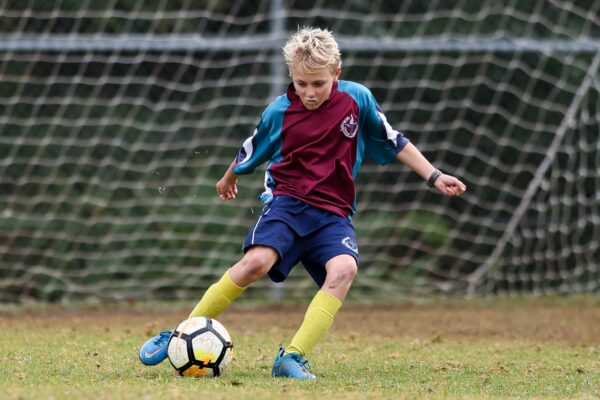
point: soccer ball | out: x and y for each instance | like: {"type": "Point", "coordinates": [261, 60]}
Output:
{"type": "Point", "coordinates": [200, 346]}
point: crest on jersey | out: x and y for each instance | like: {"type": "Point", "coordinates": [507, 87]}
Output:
{"type": "Point", "coordinates": [349, 126]}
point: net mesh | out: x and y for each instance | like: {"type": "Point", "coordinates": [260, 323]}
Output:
{"type": "Point", "coordinates": [118, 117]}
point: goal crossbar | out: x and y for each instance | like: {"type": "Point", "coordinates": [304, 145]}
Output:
{"type": "Point", "coordinates": [192, 42]}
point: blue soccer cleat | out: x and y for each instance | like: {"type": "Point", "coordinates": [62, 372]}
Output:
{"type": "Point", "coordinates": [291, 365]}
{"type": "Point", "coordinates": [154, 351]}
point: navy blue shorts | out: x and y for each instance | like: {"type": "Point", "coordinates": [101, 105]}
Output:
{"type": "Point", "coordinates": [302, 233]}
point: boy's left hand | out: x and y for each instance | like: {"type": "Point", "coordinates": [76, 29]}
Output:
{"type": "Point", "coordinates": [449, 185]}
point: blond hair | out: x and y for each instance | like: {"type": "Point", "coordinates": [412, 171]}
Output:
{"type": "Point", "coordinates": [312, 49]}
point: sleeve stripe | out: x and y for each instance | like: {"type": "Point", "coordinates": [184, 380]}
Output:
{"type": "Point", "coordinates": [248, 147]}
{"type": "Point", "coordinates": [390, 132]}
{"type": "Point", "coordinates": [395, 137]}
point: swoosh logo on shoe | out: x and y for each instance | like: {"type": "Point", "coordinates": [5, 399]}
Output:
{"type": "Point", "coordinates": [150, 355]}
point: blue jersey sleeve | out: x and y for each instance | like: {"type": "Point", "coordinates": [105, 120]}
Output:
{"type": "Point", "coordinates": [382, 142]}
{"type": "Point", "coordinates": [265, 142]}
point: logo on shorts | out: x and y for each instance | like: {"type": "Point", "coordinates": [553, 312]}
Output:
{"type": "Point", "coordinates": [349, 126]}
{"type": "Point", "coordinates": [350, 243]}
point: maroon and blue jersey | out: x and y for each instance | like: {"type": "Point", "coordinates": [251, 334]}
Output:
{"type": "Point", "coordinates": [314, 155]}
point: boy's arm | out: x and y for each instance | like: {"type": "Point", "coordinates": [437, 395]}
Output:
{"type": "Point", "coordinates": [227, 186]}
{"type": "Point", "coordinates": [415, 160]}
{"type": "Point", "coordinates": [255, 150]}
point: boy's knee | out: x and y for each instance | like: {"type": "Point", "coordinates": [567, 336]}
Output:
{"type": "Point", "coordinates": [343, 268]}
{"type": "Point", "coordinates": [258, 261]}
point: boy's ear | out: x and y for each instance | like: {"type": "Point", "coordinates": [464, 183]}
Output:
{"type": "Point", "coordinates": [337, 73]}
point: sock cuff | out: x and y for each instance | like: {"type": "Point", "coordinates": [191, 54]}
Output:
{"type": "Point", "coordinates": [328, 302]}
{"type": "Point", "coordinates": [228, 288]}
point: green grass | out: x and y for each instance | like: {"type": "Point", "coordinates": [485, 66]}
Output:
{"type": "Point", "coordinates": [78, 356]}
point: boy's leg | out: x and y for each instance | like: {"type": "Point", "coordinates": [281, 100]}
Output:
{"type": "Point", "coordinates": [217, 297]}
{"type": "Point", "coordinates": [254, 265]}
{"type": "Point", "coordinates": [257, 261]}
{"type": "Point", "coordinates": [319, 316]}
{"type": "Point", "coordinates": [341, 271]}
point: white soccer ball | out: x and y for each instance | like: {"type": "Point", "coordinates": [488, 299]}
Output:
{"type": "Point", "coordinates": [200, 347]}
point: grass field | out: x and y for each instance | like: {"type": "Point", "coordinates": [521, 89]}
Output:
{"type": "Point", "coordinates": [517, 348]}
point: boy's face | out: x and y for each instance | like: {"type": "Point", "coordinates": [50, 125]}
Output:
{"type": "Point", "coordinates": [314, 86]}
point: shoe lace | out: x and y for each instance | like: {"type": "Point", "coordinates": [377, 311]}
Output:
{"type": "Point", "coordinates": [164, 335]}
{"type": "Point", "coordinates": [303, 362]}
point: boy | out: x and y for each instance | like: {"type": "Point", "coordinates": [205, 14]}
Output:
{"type": "Point", "coordinates": [314, 139]}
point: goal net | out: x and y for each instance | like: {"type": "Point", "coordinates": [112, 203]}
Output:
{"type": "Point", "coordinates": [118, 118]}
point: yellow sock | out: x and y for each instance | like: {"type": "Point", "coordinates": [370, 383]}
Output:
{"type": "Point", "coordinates": [317, 321]}
{"type": "Point", "coordinates": [217, 298]}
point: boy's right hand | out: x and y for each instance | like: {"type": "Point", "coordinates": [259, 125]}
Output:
{"type": "Point", "coordinates": [227, 187]}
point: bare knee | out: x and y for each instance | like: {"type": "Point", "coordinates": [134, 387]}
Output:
{"type": "Point", "coordinates": [341, 272]}
{"type": "Point", "coordinates": [254, 265]}
{"type": "Point", "coordinates": [344, 271]}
